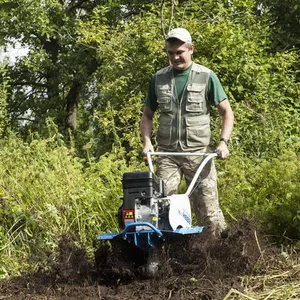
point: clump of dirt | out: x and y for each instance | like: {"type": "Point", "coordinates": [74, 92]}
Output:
{"type": "Point", "coordinates": [72, 264]}
{"type": "Point", "coordinates": [198, 267]}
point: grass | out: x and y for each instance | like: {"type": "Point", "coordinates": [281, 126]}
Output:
{"type": "Point", "coordinates": [278, 279]}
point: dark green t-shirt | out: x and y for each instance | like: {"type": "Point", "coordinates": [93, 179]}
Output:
{"type": "Point", "coordinates": [215, 92]}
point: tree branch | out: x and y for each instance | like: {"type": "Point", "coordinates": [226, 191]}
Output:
{"type": "Point", "coordinates": [172, 14]}
{"type": "Point", "coordinates": [162, 23]}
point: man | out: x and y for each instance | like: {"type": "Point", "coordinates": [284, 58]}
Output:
{"type": "Point", "coordinates": [184, 93]}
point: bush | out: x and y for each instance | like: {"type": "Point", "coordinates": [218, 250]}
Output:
{"type": "Point", "coordinates": [46, 191]}
{"type": "Point", "coordinates": [265, 189]}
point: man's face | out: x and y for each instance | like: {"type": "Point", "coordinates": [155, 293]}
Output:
{"type": "Point", "coordinates": [179, 54]}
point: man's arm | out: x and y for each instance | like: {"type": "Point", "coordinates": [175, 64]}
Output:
{"type": "Point", "coordinates": [226, 114]}
{"type": "Point", "coordinates": [146, 129]}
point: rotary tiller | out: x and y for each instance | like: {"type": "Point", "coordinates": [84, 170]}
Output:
{"type": "Point", "coordinates": [148, 217]}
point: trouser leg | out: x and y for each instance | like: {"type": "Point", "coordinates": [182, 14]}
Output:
{"type": "Point", "coordinates": [204, 197]}
{"type": "Point", "coordinates": [169, 170]}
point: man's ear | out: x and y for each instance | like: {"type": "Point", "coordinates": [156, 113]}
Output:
{"type": "Point", "coordinates": [192, 49]}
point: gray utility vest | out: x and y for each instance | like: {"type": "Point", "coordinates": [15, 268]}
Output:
{"type": "Point", "coordinates": [183, 123]}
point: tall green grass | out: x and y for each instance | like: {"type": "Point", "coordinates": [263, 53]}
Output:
{"type": "Point", "coordinates": [46, 191]}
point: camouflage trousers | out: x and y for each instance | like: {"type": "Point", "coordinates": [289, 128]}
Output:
{"type": "Point", "coordinates": [204, 197]}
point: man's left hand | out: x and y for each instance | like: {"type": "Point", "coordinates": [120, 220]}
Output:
{"type": "Point", "coordinates": [223, 149]}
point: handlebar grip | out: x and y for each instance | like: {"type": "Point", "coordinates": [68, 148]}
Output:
{"type": "Point", "coordinates": [145, 160]}
{"type": "Point", "coordinates": [218, 152]}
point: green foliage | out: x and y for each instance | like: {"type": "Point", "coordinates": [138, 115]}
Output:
{"type": "Point", "coordinates": [265, 189]}
{"type": "Point", "coordinates": [47, 82]}
{"type": "Point", "coordinates": [284, 16]}
{"type": "Point", "coordinates": [129, 59]}
{"type": "Point", "coordinates": [46, 192]}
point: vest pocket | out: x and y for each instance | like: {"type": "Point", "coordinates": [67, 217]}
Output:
{"type": "Point", "coordinates": [195, 97]}
{"type": "Point", "coordinates": [164, 130]}
{"type": "Point", "coordinates": [198, 131]}
{"type": "Point", "coordinates": [164, 97]}
{"type": "Point", "coordinates": [165, 104]}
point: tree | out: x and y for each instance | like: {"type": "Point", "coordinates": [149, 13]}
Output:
{"type": "Point", "coordinates": [284, 17]}
{"type": "Point", "coordinates": [56, 78]}
{"type": "Point", "coordinates": [49, 81]}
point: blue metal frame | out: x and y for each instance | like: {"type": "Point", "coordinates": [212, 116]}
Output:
{"type": "Point", "coordinates": [146, 239]}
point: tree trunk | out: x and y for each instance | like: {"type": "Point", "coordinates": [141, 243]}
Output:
{"type": "Point", "coordinates": [72, 106]}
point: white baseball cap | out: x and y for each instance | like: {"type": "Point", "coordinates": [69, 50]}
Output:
{"type": "Point", "coordinates": [181, 34]}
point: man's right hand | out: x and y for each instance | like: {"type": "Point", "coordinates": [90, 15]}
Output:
{"type": "Point", "coordinates": [148, 148]}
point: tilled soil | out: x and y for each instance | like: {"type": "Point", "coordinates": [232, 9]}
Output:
{"type": "Point", "coordinates": [198, 267]}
